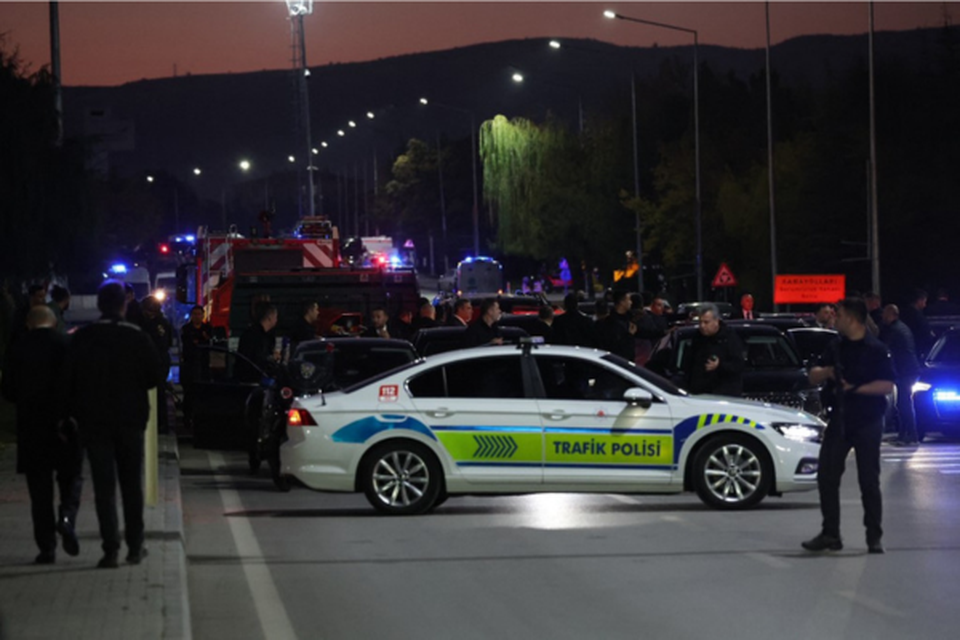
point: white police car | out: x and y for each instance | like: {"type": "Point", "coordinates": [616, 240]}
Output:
{"type": "Point", "coordinates": [546, 419]}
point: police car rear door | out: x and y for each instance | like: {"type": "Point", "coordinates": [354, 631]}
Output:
{"type": "Point", "coordinates": [592, 435]}
{"type": "Point", "coordinates": [482, 413]}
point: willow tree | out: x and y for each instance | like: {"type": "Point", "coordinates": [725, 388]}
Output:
{"type": "Point", "coordinates": [526, 168]}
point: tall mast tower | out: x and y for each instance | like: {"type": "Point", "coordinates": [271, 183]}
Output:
{"type": "Point", "coordinates": [297, 9]}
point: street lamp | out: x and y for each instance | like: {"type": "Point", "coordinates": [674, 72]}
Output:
{"type": "Point", "coordinates": [696, 128]}
{"type": "Point", "coordinates": [244, 165]}
{"type": "Point", "coordinates": [291, 158]}
{"type": "Point", "coordinates": [473, 159]}
{"type": "Point", "coordinates": [149, 178]}
{"type": "Point", "coordinates": [370, 115]}
{"type": "Point", "coordinates": [196, 171]}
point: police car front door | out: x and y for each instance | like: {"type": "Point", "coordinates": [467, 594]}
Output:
{"type": "Point", "coordinates": [592, 435]}
{"type": "Point", "coordinates": [482, 415]}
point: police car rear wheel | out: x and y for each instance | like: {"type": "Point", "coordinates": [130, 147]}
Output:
{"type": "Point", "coordinates": [732, 471]}
{"type": "Point", "coordinates": [401, 478]}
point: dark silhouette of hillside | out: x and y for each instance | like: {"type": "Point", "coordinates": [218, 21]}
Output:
{"type": "Point", "coordinates": [213, 121]}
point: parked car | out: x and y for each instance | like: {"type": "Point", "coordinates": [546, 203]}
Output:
{"type": "Point", "coordinates": [774, 370]}
{"type": "Point", "coordinates": [811, 342]}
{"type": "Point", "coordinates": [936, 397]}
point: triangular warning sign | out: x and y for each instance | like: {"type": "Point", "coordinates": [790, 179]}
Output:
{"type": "Point", "coordinates": [724, 277]}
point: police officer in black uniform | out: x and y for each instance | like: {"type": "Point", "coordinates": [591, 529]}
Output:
{"type": "Point", "coordinates": [861, 373]}
{"type": "Point", "coordinates": [258, 344]}
{"type": "Point", "coordinates": [110, 367]}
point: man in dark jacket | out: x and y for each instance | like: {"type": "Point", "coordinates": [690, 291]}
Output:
{"type": "Point", "coordinates": [160, 331]}
{"type": "Point", "coordinates": [913, 316]}
{"type": "Point", "coordinates": [194, 335]}
{"type": "Point", "coordinates": [716, 361]}
{"type": "Point", "coordinates": [31, 375]}
{"type": "Point", "coordinates": [258, 344]}
{"type": "Point", "coordinates": [486, 329]}
{"type": "Point", "coordinates": [110, 367]}
{"type": "Point", "coordinates": [616, 333]}
{"type": "Point", "coordinates": [305, 327]}
{"type": "Point", "coordinates": [899, 341]}
{"type": "Point", "coordinates": [573, 327]}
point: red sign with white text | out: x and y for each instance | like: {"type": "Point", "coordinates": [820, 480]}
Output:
{"type": "Point", "coordinates": [809, 289]}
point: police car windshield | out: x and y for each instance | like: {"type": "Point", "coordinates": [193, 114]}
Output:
{"type": "Point", "coordinates": [648, 376]}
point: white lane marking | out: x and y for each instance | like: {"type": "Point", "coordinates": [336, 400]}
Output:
{"type": "Point", "coordinates": [870, 603]}
{"type": "Point", "coordinates": [950, 472]}
{"type": "Point", "coordinates": [769, 560]}
{"type": "Point", "coordinates": [935, 465]}
{"type": "Point", "coordinates": [624, 499]}
{"type": "Point", "coordinates": [270, 610]}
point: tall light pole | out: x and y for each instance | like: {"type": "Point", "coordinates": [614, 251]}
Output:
{"type": "Point", "coordinates": [773, 217]}
{"type": "Point", "coordinates": [473, 157]}
{"type": "Point", "coordinates": [297, 9]}
{"type": "Point", "coordinates": [55, 69]}
{"type": "Point", "coordinates": [874, 213]}
{"type": "Point", "coordinates": [696, 129]}
{"type": "Point", "coordinates": [557, 45]}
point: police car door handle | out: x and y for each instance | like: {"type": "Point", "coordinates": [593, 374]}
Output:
{"type": "Point", "coordinates": [441, 412]}
{"type": "Point", "coordinates": [557, 415]}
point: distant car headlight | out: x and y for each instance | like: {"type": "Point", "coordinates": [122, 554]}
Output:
{"type": "Point", "coordinates": [921, 386]}
{"type": "Point", "coordinates": [799, 432]}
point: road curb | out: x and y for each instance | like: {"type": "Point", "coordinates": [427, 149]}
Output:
{"type": "Point", "coordinates": [176, 600]}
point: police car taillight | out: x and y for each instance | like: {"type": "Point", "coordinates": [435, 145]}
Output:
{"type": "Point", "coordinates": [300, 418]}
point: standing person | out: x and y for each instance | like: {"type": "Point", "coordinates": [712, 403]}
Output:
{"type": "Point", "coordinates": [133, 314]}
{"type": "Point", "coordinates": [110, 367]}
{"type": "Point", "coordinates": [861, 373]}
{"type": "Point", "coordinates": [826, 316]}
{"type": "Point", "coordinates": [59, 303]}
{"type": "Point", "coordinates": [874, 307]}
{"type": "Point", "coordinates": [305, 327]}
{"type": "Point", "coordinates": [616, 332]}
{"type": "Point", "coordinates": [426, 316]}
{"type": "Point", "coordinates": [899, 341]}
{"type": "Point", "coordinates": [486, 329]}
{"type": "Point", "coordinates": [745, 312]}
{"type": "Point", "coordinates": [258, 344]}
{"type": "Point", "coordinates": [379, 324]}
{"type": "Point", "coordinates": [573, 327]}
{"type": "Point", "coordinates": [914, 317]}
{"type": "Point", "coordinates": [31, 376]}
{"type": "Point", "coordinates": [544, 325]}
{"type": "Point", "coordinates": [193, 336]}
{"type": "Point", "coordinates": [462, 313]}
{"type": "Point", "coordinates": [160, 331]}
{"type": "Point", "coordinates": [716, 361]}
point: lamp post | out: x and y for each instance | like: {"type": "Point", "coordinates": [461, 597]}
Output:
{"type": "Point", "coordinates": [473, 154]}
{"type": "Point", "coordinates": [297, 9]}
{"type": "Point", "coordinates": [773, 210]}
{"type": "Point", "coordinates": [696, 129]}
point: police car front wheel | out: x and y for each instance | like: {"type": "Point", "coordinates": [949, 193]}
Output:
{"type": "Point", "coordinates": [401, 478]}
{"type": "Point", "coordinates": [732, 471]}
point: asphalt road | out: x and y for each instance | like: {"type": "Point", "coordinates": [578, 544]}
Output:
{"type": "Point", "coordinates": [264, 564]}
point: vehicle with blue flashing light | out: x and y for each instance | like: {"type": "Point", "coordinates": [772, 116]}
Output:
{"type": "Point", "coordinates": [537, 419]}
{"type": "Point", "coordinates": [936, 396]}
{"type": "Point", "coordinates": [478, 276]}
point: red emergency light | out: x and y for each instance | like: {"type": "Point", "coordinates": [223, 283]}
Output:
{"type": "Point", "coordinates": [164, 249]}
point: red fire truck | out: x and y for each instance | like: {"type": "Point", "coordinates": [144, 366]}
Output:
{"type": "Point", "coordinates": [232, 273]}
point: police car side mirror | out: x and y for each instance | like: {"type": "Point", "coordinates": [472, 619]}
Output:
{"type": "Point", "coordinates": [638, 397]}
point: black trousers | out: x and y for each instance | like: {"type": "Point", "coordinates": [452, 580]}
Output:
{"type": "Point", "coordinates": [117, 458]}
{"type": "Point", "coordinates": [65, 464]}
{"type": "Point", "coordinates": [864, 439]}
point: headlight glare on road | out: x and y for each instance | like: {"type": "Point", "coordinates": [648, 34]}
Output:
{"type": "Point", "coordinates": [799, 432]}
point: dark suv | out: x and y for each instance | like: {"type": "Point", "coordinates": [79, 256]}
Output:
{"type": "Point", "coordinates": [774, 371]}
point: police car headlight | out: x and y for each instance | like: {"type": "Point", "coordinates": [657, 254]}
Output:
{"type": "Point", "coordinates": [799, 432]}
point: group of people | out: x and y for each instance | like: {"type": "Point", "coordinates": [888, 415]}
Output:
{"type": "Point", "coordinates": [86, 392]}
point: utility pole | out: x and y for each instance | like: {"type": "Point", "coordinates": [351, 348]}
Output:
{"type": "Point", "coordinates": [55, 67]}
{"type": "Point", "coordinates": [773, 216]}
{"type": "Point", "coordinates": [874, 214]}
